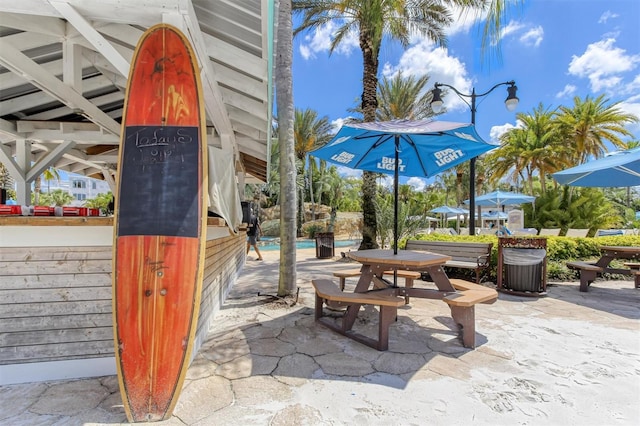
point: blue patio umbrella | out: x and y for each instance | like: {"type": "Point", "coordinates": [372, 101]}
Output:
{"type": "Point", "coordinates": [617, 169]}
{"type": "Point", "coordinates": [495, 215]}
{"type": "Point", "coordinates": [502, 198]}
{"type": "Point", "coordinates": [448, 209]}
{"type": "Point", "coordinates": [421, 148]}
{"type": "Point", "coordinates": [445, 211]}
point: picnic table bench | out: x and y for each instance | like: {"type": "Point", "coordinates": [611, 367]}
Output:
{"type": "Point", "coordinates": [463, 305]}
{"type": "Point", "coordinates": [327, 290]}
{"type": "Point", "coordinates": [466, 255]}
{"type": "Point", "coordinates": [461, 302]}
{"type": "Point", "coordinates": [590, 270]}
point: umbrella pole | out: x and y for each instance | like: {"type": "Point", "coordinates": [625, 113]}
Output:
{"type": "Point", "coordinates": [395, 196]}
{"type": "Point", "coordinates": [395, 212]}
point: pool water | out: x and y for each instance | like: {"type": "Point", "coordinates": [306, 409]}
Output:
{"type": "Point", "coordinates": [272, 244]}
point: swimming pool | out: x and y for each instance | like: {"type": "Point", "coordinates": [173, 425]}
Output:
{"type": "Point", "coordinates": [273, 244]}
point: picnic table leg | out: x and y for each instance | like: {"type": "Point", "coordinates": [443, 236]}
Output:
{"type": "Point", "coordinates": [586, 278]}
{"type": "Point", "coordinates": [440, 278]}
{"type": "Point", "coordinates": [408, 284]}
{"type": "Point", "coordinates": [349, 317]}
{"type": "Point", "coordinates": [465, 317]}
{"type": "Point", "coordinates": [366, 275]}
{"type": "Point", "coordinates": [387, 317]}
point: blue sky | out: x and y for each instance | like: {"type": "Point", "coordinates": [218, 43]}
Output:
{"type": "Point", "coordinates": [553, 49]}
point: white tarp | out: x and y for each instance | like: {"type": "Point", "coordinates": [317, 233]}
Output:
{"type": "Point", "coordinates": [224, 198]}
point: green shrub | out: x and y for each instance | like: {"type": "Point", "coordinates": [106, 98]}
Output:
{"type": "Point", "coordinates": [559, 251]}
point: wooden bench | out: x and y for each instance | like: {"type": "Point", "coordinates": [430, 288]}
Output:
{"type": "Point", "coordinates": [588, 272]}
{"type": "Point", "coordinates": [462, 306]}
{"type": "Point", "coordinates": [408, 276]}
{"type": "Point", "coordinates": [327, 290]}
{"type": "Point", "coordinates": [466, 255]}
{"type": "Point", "coordinates": [635, 271]}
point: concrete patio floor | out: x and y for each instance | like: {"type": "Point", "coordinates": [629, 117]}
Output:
{"type": "Point", "coordinates": [569, 358]}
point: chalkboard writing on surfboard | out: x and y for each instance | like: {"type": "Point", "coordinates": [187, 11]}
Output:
{"type": "Point", "coordinates": [161, 194]}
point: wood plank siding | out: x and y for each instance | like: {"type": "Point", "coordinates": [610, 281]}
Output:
{"type": "Point", "coordinates": [55, 301]}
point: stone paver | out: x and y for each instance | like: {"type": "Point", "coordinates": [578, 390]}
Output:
{"type": "Point", "coordinates": [569, 358]}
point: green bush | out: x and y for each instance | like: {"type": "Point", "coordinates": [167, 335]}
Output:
{"type": "Point", "coordinates": [559, 251]}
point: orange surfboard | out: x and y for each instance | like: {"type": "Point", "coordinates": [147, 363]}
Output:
{"type": "Point", "coordinates": [160, 224]}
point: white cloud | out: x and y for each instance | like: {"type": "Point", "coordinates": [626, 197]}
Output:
{"type": "Point", "coordinates": [347, 172]}
{"type": "Point", "coordinates": [606, 16]}
{"type": "Point", "coordinates": [320, 41]}
{"type": "Point", "coordinates": [463, 21]}
{"type": "Point", "coordinates": [305, 52]}
{"type": "Point", "coordinates": [632, 106]}
{"type": "Point", "coordinates": [533, 37]}
{"type": "Point", "coordinates": [497, 131]}
{"type": "Point", "coordinates": [633, 88]}
{"type": "Point", "coordinates": [511, 28]}
{"type": "Point", "coordinates": [568, 90]}
{"type": "Point", "coordinates": [424, 58]}
{"type": "Point", "coordinates": [339, 122]}
{"type": "Point", "coordinates": [416, 183]}
{"type": "Point", "coordinates": [603, 63]}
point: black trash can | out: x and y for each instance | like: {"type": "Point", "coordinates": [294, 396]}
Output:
{"type": "Point", "coordinates": [324, 245]}
{"type": "Point", "coordinates": [523, 268]}
{"type": "Point", "coordinates": [246, 211]}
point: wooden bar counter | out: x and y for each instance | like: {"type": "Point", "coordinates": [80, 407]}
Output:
{"type": "Point", "coordinates": [55, 294]}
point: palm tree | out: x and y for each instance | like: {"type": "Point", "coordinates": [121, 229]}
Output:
{"type": "Point", "coordinates": [284, 102]}
{"type": "Point", "coordinates": [310, 132]}
{"type": "Point", "coordinates": [373, 20]}
{"type": "Point", "coordinates": [58, 198]}
{"type": "Point", "coordinates": [589, 123]}
{"type": "Point", "coordinates": [401, 97]}
{"type": "Point", "coordinates": [100, 201]}
{"type": "Point", "coordinates": [533, 148]}
{"type": "Point", "coordinates": [48, 175]}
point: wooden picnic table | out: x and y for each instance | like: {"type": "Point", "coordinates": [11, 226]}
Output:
{"type": "Point", "coordinates": [375, 263]}
{"type": "Point", "coordinates": [590, 270]}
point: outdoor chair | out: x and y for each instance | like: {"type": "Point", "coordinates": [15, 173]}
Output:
{"type": "Point", "coordinates": [577, 232]}
{"type": "Point", "coordinates": [550, 232]}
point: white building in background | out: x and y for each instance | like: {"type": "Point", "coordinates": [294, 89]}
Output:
{"type": "Point", "coordinates": [81, 187]}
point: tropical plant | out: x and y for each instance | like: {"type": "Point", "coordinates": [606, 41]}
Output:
{"type": "Point", "coordinates": [100, 201]}
{"type": "Point", "coordinates": [589, 123]}
{"type": "Point", "coordinates": [373, 21]}
{"type": "Point", "coordinates": [568, 207]}
{"type": "Point", "coordinates": [48, 175]}
{"type": "Point", "coordinates": [402, 98]}
{"type": "Point", "coordinates": [5, 177]}
{"type": "Point", "coordinates": [348, 198]}
{"type": "Point", "coordinates": [57, 197]}
{"type": "Point", "coordinates": [524, 152]}
{"type": "Point", "coordinates": [310, 132]}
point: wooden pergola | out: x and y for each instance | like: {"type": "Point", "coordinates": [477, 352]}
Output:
{"type": "Point", "coordinates": [64, 69]}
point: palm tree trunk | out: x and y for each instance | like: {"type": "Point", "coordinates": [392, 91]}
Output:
{"type": "Point", "coordinates": [311, 198]}
{"type": "Point", "coordinates": [369, 106]}
{"type": "Point", "coordinates": [284, 91]}
{"type": "Point", "coordinates": [37, 188]}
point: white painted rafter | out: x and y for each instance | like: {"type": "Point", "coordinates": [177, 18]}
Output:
{"type": "Point", "coordinates": [16, 61]}
{"type": "Point", "coordinates": [94, 37]}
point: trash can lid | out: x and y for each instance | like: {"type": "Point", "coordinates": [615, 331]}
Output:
{"type": "Point", "coordinates": [523, 256]}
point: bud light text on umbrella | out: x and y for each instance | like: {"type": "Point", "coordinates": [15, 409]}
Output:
{"type": "Point", "coordinates": [465, 136]}
{"type": "Point", "coordinates": [343, 157]}
{"type": "Point", "coordinates": [389, 163]}
{"type": "Point", "coordinates": [447, 155]}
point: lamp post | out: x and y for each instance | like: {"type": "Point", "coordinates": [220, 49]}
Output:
{"type": "Point", "coordinates": [436, 105]}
